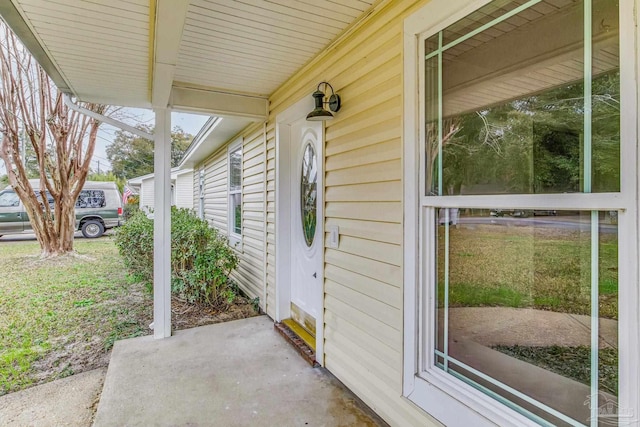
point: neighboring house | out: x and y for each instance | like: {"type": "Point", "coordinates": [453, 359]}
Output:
{"type": "Point", "coordinates": [336, 221]}
{"type": "Point", "coordinates": [181, 189]}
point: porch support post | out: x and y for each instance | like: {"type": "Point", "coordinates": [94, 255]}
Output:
{"type": "Point", "coordinates": [162, 225]}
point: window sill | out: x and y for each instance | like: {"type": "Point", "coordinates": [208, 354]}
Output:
{"type": "Point", "coordinates": [235, 241]}
{"type": "Point", "coordinates": [453, 402]}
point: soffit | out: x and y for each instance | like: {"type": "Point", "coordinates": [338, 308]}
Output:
{"type": "Point", "coordinates": [533, 51]}
{"type": "Point", "coordinates": [253, 46]}
{"type": "Point", "coordinates": [100, 49]}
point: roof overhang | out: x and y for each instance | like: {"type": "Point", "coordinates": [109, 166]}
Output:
{"type": "Point", "coordinates": [213, 135]}
{"type": "Point", "coordinates": [218, 57]}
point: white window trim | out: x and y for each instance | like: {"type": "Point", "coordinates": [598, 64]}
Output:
{"type": "Point", "coordinates": [235, 239]}
{"type": "Point", "coordinates": [448, 399]}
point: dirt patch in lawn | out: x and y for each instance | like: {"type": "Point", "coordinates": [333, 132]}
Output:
{"type": "Point", "coordinates": [73, 356]}
{"type": "Point", "coordinates": [60, 317]}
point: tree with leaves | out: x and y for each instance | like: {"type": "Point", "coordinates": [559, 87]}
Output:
{"type": "Point", "coordinates": [60, 140]}
{"type": "Point", "coordinates": [533, 144]}
{"type": "Point", "coordinates": [131, 155]}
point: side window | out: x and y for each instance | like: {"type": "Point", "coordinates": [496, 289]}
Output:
{"type": "Point", "coordinates": [235, 193]}
{"type": "Point", "coordinates": [91, 199]}
{"type": "Point", "coordinates": [9, 199]}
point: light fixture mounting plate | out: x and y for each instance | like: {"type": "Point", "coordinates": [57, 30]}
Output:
{"type": "Point", "coordinates": [334, 103]}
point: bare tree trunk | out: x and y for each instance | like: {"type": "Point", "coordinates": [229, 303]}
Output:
{"type": "Point", "coordinates": [449, 129]}
{"type": "Point", "coordinates": [63, 141]}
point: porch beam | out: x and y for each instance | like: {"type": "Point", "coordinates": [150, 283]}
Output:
{"type": "Point", "coordinates": [162, 225]}
{"type": "Point", "coordinates": [219, 103]}
{"type": "Point", "coordinates": [170, 19]}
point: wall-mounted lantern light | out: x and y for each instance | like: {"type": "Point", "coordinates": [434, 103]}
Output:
{"type": "Point", "coordinates": [319, 113]}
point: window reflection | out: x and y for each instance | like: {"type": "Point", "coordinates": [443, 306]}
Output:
{"type": "Point", "coordinates": [513, 103]}
{"type": "Point", "coordinates": [519, 304]}
{"type": "Point", "coordinates": [308, 194]}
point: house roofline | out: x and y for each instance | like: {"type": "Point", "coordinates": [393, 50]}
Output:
{"type": "Point", "coordinates": [199, 139]}
{"type": "Point", "coordinates": [174, 172]}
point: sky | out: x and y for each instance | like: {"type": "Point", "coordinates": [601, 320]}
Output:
{"type": "Point", "coordinates": [190, 123]}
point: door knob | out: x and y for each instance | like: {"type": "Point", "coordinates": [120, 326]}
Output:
{"type": "Point", "coordinates": [315, 275]}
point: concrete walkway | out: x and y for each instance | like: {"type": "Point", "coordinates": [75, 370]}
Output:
{"type": "Point", "coordinates": [239, 373]}
{"type": "Point", "coordinates": [243, 373]}
{"type": "Point", "coordinates": [66, 402]}
{"type": "Point", "coordinates": [493, 326]}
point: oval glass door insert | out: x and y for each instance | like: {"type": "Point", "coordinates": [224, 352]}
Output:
{"type": "Point", "coordinates": [308, 194]}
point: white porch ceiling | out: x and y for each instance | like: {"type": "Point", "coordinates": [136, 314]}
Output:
{"type": "Point", "coordinates": [118, 51]}
{"type": "Point", "coordinates": [252, 46]}
{"type": "Point", "coordinates": [99, 48]}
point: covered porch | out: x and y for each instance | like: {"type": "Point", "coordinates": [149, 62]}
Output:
{"type": "Point", "coordinates": [214, 57]}
{"type": "Point", "coordinates": [230, 374]}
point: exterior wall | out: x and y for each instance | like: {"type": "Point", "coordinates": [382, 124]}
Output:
{"type": "Point", "coordinates": [195, 182]}
{"type": "Point", "coordinates": [363, 196]}
{"type": "Point", "coordinates": [146, 194]}
{"type": "Point", "coordinates": [215, 190]}
{"type": "Point", "coordinates": [250, 272]}
{"type": "Point", "coordinates": [184, 191]}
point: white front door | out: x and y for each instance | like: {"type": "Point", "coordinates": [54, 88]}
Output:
{"type": "Point", "coordinates": [306, 219]}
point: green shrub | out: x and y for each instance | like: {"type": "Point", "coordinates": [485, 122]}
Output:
{"type": "Point", "coordinates": [134, 240]}
{"type": "Point", "coordinates": [201, 259]}
{"type": "Point", "coordinates": [129, 209]}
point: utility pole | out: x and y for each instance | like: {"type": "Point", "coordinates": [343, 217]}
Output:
{"type": "Point", "coordinates": [98, 167]}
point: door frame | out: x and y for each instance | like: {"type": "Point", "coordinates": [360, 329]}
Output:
{"type": "Point", "coordinates": [297, 111]}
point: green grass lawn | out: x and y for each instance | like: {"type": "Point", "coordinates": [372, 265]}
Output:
{"type": "Point", "coordinates": [528, 267]}
{"type": "Point", "coordinates": [59, 317]}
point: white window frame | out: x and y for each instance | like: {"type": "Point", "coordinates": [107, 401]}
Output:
{"type": "Point", "coordinates": [235, 239]}
{"type": "Point", "coordinates": [445, 397]}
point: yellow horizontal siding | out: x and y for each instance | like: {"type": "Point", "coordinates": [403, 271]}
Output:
{"type": "Point", "coordinates": [377, 394]}
{"type": "Point", "coordinates": [369, 322]}
{"type": "Point", "coordinates": [381, 291]}
{"type": "Point", "coordinates": [374, 152]}
{"type": "Point", "coordinates": [373, 192]}
{"type": "Point", "coordinates": [370, 362]}
{"type": "Point", "coordinates": [363, 197]}
{"type": "Point", "coordinates": [371, 249]}
{"type": "Point", "coordinates": [390, 170]}
{"type": "Point", "coordinates": [391, 357]}
{"type": "Point", "coordinates": [388, 232]}
{"type": "Point", "coordinates": [363, 302]}
{"type": "Point", "coordinates": [367, 211]}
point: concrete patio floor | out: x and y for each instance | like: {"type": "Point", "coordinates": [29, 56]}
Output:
{"type": "Point", "coordinates": [239, 373]}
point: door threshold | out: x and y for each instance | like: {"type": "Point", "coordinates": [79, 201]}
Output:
{"type": "Point", "coordinates": [301, 332]}
{"type": "Point", "coordinates": [293, 333]}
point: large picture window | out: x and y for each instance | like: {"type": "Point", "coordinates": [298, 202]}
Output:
{"type": "Point", "coordinates": [520, 197]}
